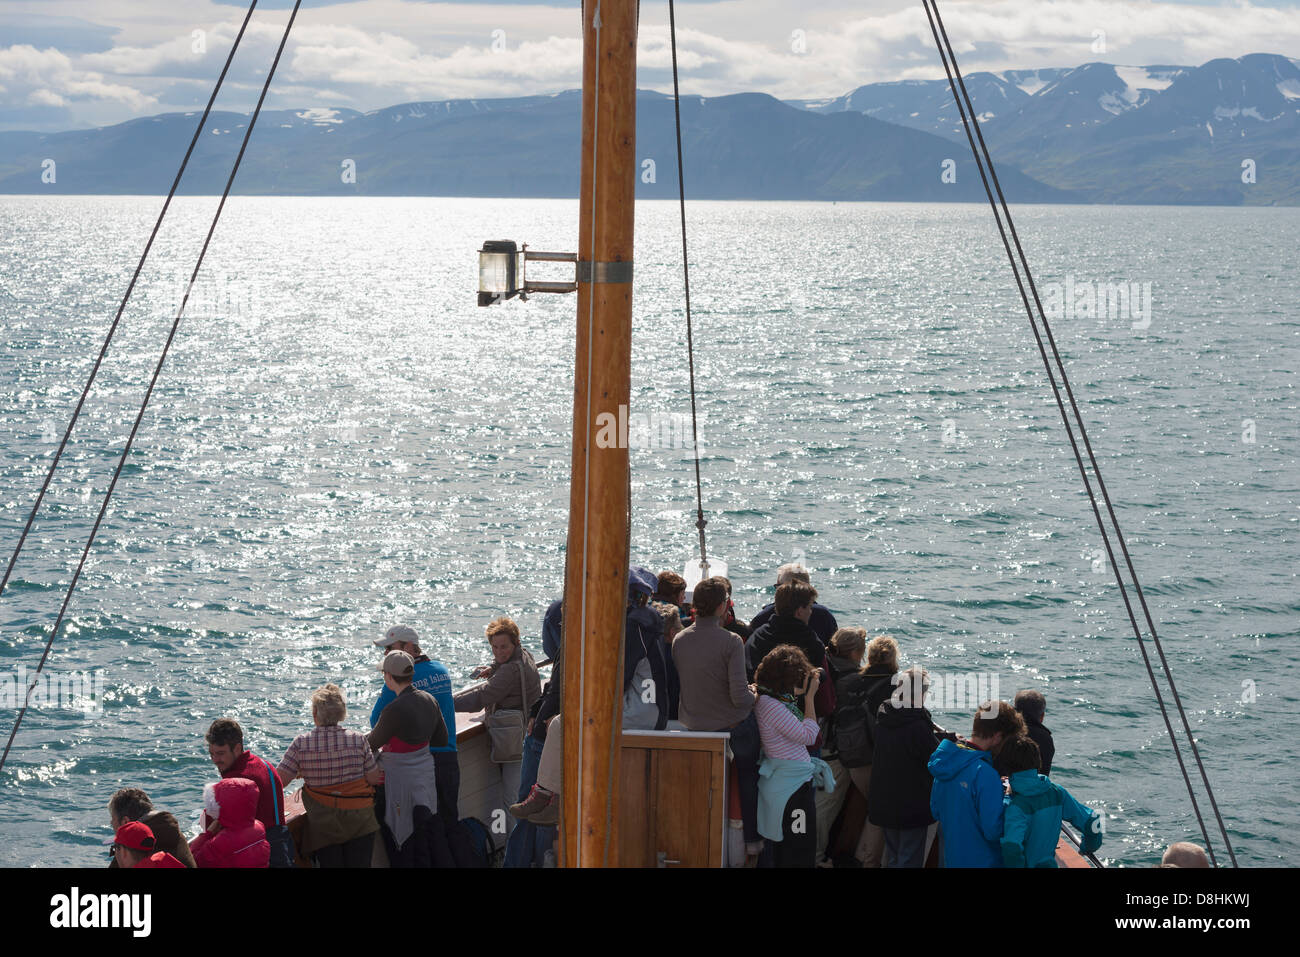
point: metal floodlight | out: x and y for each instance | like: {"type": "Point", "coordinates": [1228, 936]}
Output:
{"type": "Point", "coordinates": [501, 271]}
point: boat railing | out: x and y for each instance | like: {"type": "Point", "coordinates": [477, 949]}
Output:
{"type": "Point", "coordinates": [470, 723]}
{"type": "Point", "coordinates": [1078, 846]}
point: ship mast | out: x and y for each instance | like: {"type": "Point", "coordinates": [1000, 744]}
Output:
{"type": "Point", "coordinates": [595, 584]}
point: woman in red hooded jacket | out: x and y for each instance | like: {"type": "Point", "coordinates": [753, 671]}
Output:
{"type": "Point", "coordinates": [237, 838]}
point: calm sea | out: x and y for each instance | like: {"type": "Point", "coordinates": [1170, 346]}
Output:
{"type": "Point", "coordinates": [341, 440]}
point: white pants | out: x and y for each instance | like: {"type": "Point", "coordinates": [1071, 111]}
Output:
{"type": "Point", "coordinates": [550, 770]}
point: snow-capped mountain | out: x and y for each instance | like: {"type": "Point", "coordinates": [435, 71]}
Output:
{"type": "Point", "coordinates": [928, 104]}
{"type": "Point", "coordinates": [1130, 133]}
{"type": "Point", "coordinates": [1226, 97]}
{"type": "Point", "coordinates": [1228, 128]}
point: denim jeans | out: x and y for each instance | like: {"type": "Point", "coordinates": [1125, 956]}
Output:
{"type": "Point", "coordinates": [528, 842]}
{"type": "Point", "coordinates": [745, 746]}
{"type": "Point", "coordinates": [905, 847]}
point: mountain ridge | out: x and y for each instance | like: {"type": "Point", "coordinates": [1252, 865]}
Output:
{"type": "Point", "coordinates": [1225, 132]}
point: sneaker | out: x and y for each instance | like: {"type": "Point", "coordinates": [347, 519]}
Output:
{"type": "Point", "coordinates": [538, 800]}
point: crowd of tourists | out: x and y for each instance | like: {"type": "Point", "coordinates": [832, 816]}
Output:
{"type": "Point", "coordinates": [836, 758]}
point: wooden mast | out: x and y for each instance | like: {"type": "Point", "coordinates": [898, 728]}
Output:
{"type": "Point", "coordinates": [595, 583]}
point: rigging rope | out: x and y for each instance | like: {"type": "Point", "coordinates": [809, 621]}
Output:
{"type": "Point", "coordinates": [686, 275]}
{"type": "Point", "coordinates": [126, 451]}
{"type": "Point", "coordinates": [112, 329]}
{"type": "Point", "coordinates": [947, 54]}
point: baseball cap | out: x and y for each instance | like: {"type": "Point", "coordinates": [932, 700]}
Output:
{"type": "Point", "coordinates": [398, 664]}
{"type": "Point", "coordinates": [397, 633]}
{"type": "Point", "coordinates": [136, 836]}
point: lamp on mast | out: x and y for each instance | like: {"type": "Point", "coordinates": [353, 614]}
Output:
{"type": "Point", "coordinates": [502, 272]}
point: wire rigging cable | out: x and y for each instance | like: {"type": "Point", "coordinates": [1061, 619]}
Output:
{"type": "Point", "coordinates": [112, 329]}
{"type": "Point", "coordinates": [982, 156]}
{"type": "Point", "coordinates": [126, 451]}
{"type": "Point", "coordinates": [686, 276]}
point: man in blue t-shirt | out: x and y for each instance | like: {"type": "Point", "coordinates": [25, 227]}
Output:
{"type": "Point", "coordinates": [430, 676]}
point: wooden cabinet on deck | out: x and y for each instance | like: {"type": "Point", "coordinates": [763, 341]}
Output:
{"type": "Point", "coordinates": [673, 799]}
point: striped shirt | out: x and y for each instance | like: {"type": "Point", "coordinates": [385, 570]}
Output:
{"type": "Point", "coordinates": [329, 755]}
{"type": "Point", "coordinates": [784, 737]}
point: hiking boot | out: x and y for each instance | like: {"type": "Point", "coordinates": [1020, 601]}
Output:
{"type": "Point", "coordinates": [548, 816]}
{"type": "Point", "coordinates": [538, 800]}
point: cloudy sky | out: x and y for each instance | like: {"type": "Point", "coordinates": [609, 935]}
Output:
{"type": "Point", "coordinates": [68, 64]}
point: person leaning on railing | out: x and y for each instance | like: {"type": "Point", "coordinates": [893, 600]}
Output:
{"type": "Point", "coordinates": [339, 772]}
{"type": "Point", "coordinates": [513, 685]}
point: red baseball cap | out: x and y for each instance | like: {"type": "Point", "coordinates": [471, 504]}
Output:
{"type": "Point", "coordinates": [136, 836]}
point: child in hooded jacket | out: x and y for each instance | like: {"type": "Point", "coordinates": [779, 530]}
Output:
{"type": "Point", "coordinates": [1034, 811]}
{"type": "Point", "coordinates": [236, 838]}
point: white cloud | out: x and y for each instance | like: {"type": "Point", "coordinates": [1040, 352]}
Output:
{"type": "Point", "coordinates": [393, 64]}
{"type": "Point", "coordinates": [373, 53]}
{"type": "Point", "coordinates": [46, 98]}
{"type": "Point", "coordinates": [33, 77]}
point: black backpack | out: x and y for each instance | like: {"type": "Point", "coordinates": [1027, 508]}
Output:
{"type": "Point", "coordinates": [855, 739]}
{"type": "Point", "coordinates": [473, 840]}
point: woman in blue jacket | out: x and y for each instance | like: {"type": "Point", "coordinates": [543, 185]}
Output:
{"type": "Point", "coordinates": [967, 795]}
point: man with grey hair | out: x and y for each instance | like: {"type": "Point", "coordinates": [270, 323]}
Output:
{"type": "Point", "coordinates": [1184, 854]}
{"type": "Point", "coordinates": [822, 621]}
